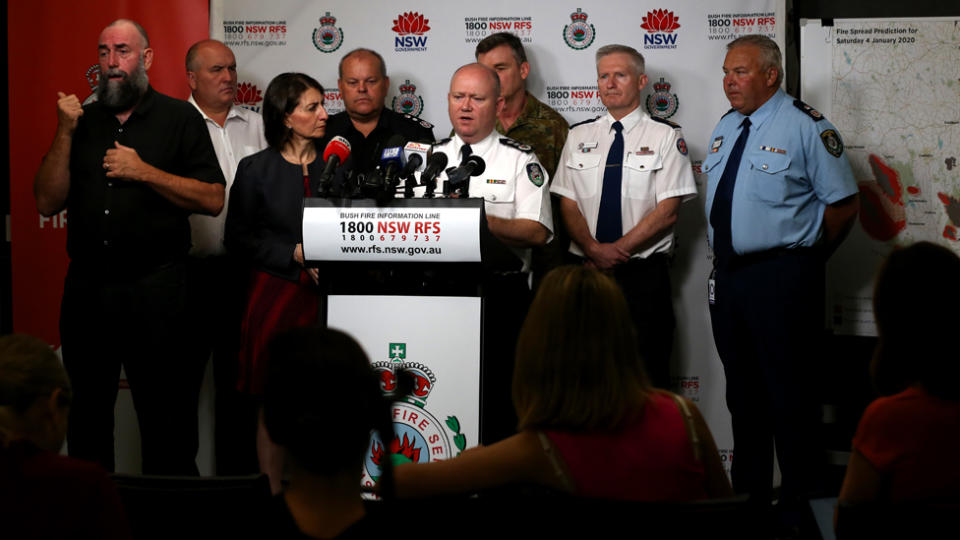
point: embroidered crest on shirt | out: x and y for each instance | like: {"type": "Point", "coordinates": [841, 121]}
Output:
{"type": "Point", "coordinates": [715, 147]}
{"type": "Point", "coordinates": [535, 174]}
{"type": "Point", "coordinates": [832, 142]}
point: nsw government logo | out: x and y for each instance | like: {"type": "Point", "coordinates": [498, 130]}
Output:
{"type": "Point", "coordinates": [248, 96]}
{"type": "Point", "coordinates": [410, 28]}
{"type": "Point", "coordinates": [661, 102]}
{"type": "Point", "coordinates": [660, 24]}
{"type": "Point", "coordinates": [419, 437]}
{"type": "Point", "coordinates": [578, 34]}
{"type": "Point", "coordinates": [328, 37]}
{"type": "Point", "coordinates": [408, 102]}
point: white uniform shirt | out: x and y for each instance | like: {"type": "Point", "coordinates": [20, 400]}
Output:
{"type": "Point", "coordinates": [655, 168]}
{"type": "Point", "coordinates": [240, 136]}
{"type": "Point", "coordinates": [513, 185]}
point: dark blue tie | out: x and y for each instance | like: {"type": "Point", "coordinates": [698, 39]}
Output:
{"type": "Point", "coordinates": [609, 220]}
{"type": "Point", "coordinates": [720, 210]}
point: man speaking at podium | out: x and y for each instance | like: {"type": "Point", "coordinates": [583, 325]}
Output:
{"type": "Point", "coordinates": [514, 187]}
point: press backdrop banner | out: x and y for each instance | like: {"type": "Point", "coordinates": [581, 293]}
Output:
{"type": "Point", "coordinates": [65, 60]}
{"type": "Point", "coordinates": [423, 42]}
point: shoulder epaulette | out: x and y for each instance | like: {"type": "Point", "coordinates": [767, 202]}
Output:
{"type": "Point", "coordinates": [418, 121]}
{"type": "Point", "coordinates": [808, 110]}
{"type": "Point", "coordinates": [728, 112]}
{"type": "Point", "coordinates": [585, 122]}
{"type": "Point", "coordinates": [438, 143]}
{"type": "Point", "coordinates": [674, 125]}
{"type": "Point", "coordinates": [526, 148]}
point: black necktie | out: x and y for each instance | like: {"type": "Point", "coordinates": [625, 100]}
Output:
{"type": "Point", "coordinates": [465, 152]}
{"type": "Point", "coordinates": [609, 219]}
{"type": "Point", "coordinates": [721, 209]}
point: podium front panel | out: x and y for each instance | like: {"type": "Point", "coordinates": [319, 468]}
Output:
{"type": "Point", "coordinates": [436, 341]}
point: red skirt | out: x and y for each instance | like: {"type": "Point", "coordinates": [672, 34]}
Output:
{"type": "Point", "coordinates": [274, 305]}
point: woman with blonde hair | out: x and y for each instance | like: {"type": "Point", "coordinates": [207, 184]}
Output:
{"type": "Point", "coordinates": [589, 422]}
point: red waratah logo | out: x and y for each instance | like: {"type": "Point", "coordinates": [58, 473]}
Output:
{"type": "Point", "coordinates": [410, 23]}
{"type": "Point", "coordinates": [247, 94]}
{"type": "Point", "coordinates": [660, 20]}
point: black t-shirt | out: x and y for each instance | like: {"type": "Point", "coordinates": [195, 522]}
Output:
{"type": "Point", "coordinates": [119, 223]}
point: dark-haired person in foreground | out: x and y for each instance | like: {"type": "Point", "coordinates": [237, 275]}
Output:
{"type": "Point", "coordinates": [590, 423]}
{"type": "Point", "coordinates": [44, 494]}
{"type": "Point", "coordinates": [130, 168]}
{"type": "Point", "coordinates": [263, 230]}
{"type": "Point", "coordinates": [321, 401]}
{"type": "Point", "coordinates": [908, 441]}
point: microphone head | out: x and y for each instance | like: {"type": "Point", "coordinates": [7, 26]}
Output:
{"type": "Point", "coordinates": [392, 155]}
{"type": "Point", "coordinates": [437, 160]}
{"type": "Point", "coordinates": [338, 146]}
{"type": "Point", "coordinates": [478, 164]}
{"type": "Point", "coordinates": [414, 151]}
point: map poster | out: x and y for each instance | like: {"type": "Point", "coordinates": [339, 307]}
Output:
{"type": "Point", "coordinates": [896, 102]}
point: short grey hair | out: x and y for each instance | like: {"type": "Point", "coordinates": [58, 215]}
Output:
{"type": "Point", "coordinates": [634, 55]}
{"type": "Point", "coordinates": [136, 26]}
{"type": "Point", "coordinates": [361, 50]}
{"type": "Point", "coordinates": [770, 56]}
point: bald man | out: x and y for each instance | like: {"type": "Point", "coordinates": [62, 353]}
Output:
{"type": "Point", "coordinates": [516, 196]}
{"type": "Point", "coordinates": [131, 167]}
{"type": "Point", "coordinates": [216, 283]}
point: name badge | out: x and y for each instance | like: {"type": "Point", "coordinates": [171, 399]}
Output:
{"type": "Point", "coordinates": [585, 147]}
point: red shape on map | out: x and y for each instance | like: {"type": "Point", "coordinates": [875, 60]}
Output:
{"type": "Point", "coordinates": [950, 232]}
{"type": "Point", "coordinates": [913, 190]}
{"type": "Point", "coordinates": [887, 178]}
{"type": "Point", "coordinates": [878, 219]}
{"type": "Point", "coordinates": [882, 215]}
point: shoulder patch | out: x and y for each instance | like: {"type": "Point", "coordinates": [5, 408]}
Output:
{"type": "Point", "coordinates": [831, 141]}
{"type": "Point", "coordinates": [674, 125]}
{"type": "Point", "coordinates": [440, 142]}
{"type": "Point", "coordinates": [417, 121]}
{"type": "Point", "coordinates": [682, 146]}
{"type": "Point", "coordinates": [808, 110]}
{"type": "Point", "coordinates": [535, 173]}
{"type": "Point", "coordinates": [585, 122]}
{"type": "Point", "coordinates": [525, 148]}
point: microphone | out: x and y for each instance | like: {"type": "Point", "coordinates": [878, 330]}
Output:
{"type": "Point", "coordinates": [392, 160]}
{"type": "Point", "coordinates": [436, 163]}
{"type": "Point", "coordinates": [336, 152]}
{"type": "Point", "coordinates": [472, 165]}
{"type": "Point", "coordinates": [416, 156]}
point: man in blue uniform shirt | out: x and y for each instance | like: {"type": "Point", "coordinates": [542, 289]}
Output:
{"type": "Point", "coordinates": [780, 198]}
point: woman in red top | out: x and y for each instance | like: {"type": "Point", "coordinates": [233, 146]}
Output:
{"type": "Point", "coordinates": [589, 421]}
{"type": "Point", "coordinates": [907, 443]}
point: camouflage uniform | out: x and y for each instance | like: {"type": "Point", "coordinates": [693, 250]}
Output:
{"type": "Point", "coordinates": [542, 128]}
{"type": "Point", "coordinates": [546, 131]}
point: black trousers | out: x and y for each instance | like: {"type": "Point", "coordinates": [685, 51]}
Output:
{"type": "Point", "coordinates": [768, 326]}
{"type": "Point", "coordinates": [138, 321]}
{"type": "Point", "coordinates": [216, 297]}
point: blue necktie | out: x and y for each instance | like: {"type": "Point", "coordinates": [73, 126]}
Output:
{"type": "Point", "coordinates": [609, 220]}
{"type": "Point", "coordinates": [721, 209]}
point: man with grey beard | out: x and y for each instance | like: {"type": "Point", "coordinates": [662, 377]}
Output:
{"type": "Point", "coordinates": [130, 167]}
